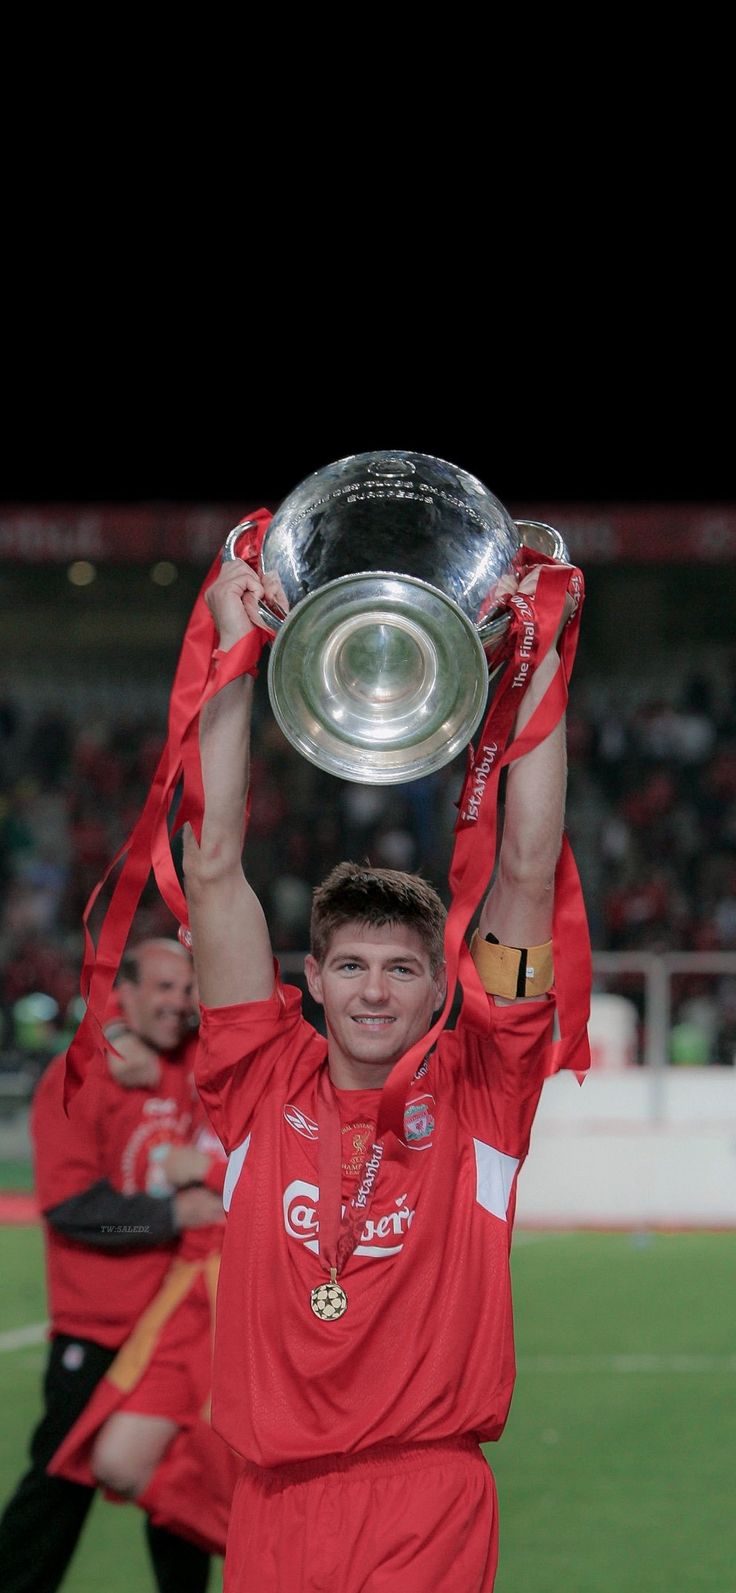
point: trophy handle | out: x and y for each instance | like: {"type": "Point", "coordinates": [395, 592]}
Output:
{"type": "Point", "coordinates": [271, 620]}
{"type": "Point", "coordinates": [535, 534]}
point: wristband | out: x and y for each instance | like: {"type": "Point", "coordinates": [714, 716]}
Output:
{"type": "Point", "coordinates": [512, 971]}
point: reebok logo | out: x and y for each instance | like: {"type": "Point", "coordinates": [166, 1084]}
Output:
{"type": "Point", "coordinates": [299, 1121]}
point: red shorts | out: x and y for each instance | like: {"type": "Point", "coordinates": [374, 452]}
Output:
{"type": "Point", "coordinates": [176, 1382]}
{"type": "Point", "coordinates": [415, 1518]}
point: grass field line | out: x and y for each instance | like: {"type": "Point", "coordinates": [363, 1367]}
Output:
{"type": "Point", "coordinates": [19, 1338]}
{"type": "Point", "coordinates": [35, 1333]}
{"type": "Point", "coordinates": [657, 1362]}
{"type": "Point", "coordinates": [537, 1236]}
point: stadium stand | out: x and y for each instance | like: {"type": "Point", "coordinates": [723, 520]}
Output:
{"type": "Point", "coordinates": [651, 811]}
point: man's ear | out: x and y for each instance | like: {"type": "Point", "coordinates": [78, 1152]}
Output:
{"type": "Point", "coordinates": [440, 985]}
{"type": "Point", "coordinates": [313, 977]}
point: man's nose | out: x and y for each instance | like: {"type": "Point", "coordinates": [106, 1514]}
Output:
{"type": "Point", "coordinates": [375, 986]}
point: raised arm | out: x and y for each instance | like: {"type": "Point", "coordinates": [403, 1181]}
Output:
{"type": "Point", "coordinates": [518, 907]}
{"type": "Point", "coordinates": [230, 939]}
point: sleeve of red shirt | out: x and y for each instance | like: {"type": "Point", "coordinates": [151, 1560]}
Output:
{"type": "Point", "coordinates": [214, 1177]}
{"type": "Point", "coordinates": [241, 1049]}
{"type": "Point", "coordinates": [66, 1151]}
{"type": "Point", "coordinates": [496, 1080]}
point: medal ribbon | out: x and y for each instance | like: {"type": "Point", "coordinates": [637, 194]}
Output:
{"type": "Point", "coordinates": [201, 672]}
{"type": "Point", "coordinates": [533, 624]}
{"type": "Point", "coordinates": [338, 1233]}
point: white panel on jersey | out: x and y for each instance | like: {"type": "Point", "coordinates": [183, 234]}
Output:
{"type": "Point", "coordinates": [235, 1163]}
{"type": "Point", "coordinates": [494, 1177]}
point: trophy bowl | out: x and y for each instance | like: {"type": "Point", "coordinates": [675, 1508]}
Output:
{"type": "Point", "coordinates": [390, 563]}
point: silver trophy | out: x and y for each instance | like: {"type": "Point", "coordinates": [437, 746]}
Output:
{"type": "Point", "coordinates": [390, 564]}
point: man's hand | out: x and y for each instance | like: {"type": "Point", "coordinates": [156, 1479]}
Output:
{"type": "Point", "coordinates": [184, 1165]}
{"type": "Point", "coordinates": [197, 1208]}
{"type": "Point", "coordinates": [137, 1067]}
{"type": "Point", "coordinates": [510, 584]}
{"type": "Point", "coordinates": [234, 597]}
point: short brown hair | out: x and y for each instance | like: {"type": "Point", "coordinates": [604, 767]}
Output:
{"type": "Point", "coordinates": [357, 893]}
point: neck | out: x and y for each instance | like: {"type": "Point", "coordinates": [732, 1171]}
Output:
{"type": "Point", "coordinates": [348, 1075]}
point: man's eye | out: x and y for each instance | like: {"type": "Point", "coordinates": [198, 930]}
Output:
{"type": "Point", "coordinates": [401, 968]}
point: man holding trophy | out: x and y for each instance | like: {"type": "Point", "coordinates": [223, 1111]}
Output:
{"type": "Point", "coordinates": [364, 1344]}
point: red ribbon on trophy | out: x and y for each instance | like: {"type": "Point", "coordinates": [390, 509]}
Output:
{"type": "Point", "coordinates": [533, 624]}
{"type": "Point", "coordinates": [201, 672]}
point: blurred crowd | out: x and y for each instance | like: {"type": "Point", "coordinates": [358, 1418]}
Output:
{"type": "Point", "coordinates": [651, 815]}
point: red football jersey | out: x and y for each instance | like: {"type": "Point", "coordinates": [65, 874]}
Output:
{"type": "Point", "coordinates": [195, 1243]}
{"type": "Point", "coordinates": [115, 1134]}
{"type": "Point", "coordinates": [425, 1348]}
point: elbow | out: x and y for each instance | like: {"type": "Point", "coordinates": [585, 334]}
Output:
{"type": "Point", "coordinates": [207, 863]}
{"type": "Point", "coordinates": [530, 876]}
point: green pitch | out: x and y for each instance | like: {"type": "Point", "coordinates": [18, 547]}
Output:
{"type": "Point", "coordinates": [617, 1470]}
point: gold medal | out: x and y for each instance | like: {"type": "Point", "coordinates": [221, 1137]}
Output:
{"type": "Point", "coordinates": [329, 1300]}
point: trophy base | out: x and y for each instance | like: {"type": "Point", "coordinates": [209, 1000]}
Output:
{"type": "Point", "coordinates": [378, 678]}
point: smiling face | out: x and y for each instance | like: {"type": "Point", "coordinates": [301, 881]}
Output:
{"type": "Point", "coordinates": [378, 994]}
{"type": "Point", "coordinates": [160, 1005]}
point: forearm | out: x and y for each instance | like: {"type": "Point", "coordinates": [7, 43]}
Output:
{"type": "Point", "coordinates": [535, 792]}
{"type": "Point", "coordinates": [107, 1220]}
{"type": "Point", "coordinates": [225, 758]}
{"type": "Point", "coordinates": [518, 909]}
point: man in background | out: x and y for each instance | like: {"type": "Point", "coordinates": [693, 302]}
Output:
{"type": "Point", "coordinates": [112, 1222]}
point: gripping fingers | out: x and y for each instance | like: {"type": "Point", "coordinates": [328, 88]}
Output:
{"type": "Point", "coordinates": [268, 590]}
{"type": "Point", "coordinates": [232, 600]}
{"type": "Point", "coordinates": [234, 597]}
{"type": "Point", "coordinates": [274, 593]}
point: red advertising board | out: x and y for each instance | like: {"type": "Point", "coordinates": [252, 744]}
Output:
{"type": "Point", "coordinates": [193, 533]}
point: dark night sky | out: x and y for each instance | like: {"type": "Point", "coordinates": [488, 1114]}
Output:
{"type": "Point", "coordinates": [189, 463]}
{"type": "Point", "coordinates": [133, 372]}
{"type": "Point", "coordinates": [236, 431]}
